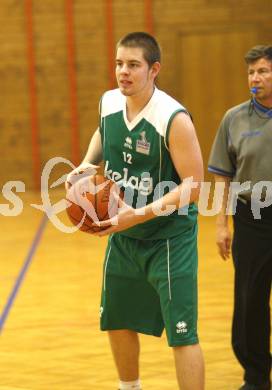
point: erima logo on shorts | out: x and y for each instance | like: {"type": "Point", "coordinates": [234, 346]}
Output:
{"type": "Point", "coordinates": [181, 327]}
{"type": "Point", "coordinates": [101, 311]}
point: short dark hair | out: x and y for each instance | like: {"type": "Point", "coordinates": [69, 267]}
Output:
{"type": "Point", "coordinates": [258, 52]}
{"type": "Point", "coordinates": [151, 48]}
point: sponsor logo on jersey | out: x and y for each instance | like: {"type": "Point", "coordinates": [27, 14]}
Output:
{"type": "Point", "coordinates": [128, 143]}
{"type": "Point", "coordinates": [142, 145]}
{"type": "Point", "coordinates": [181, 327]}
{"type": "Point", "coordinates": [143, 184]}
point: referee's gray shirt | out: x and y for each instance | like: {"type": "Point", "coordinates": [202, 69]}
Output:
{"type": "Point", "coordinates": [242, 149]}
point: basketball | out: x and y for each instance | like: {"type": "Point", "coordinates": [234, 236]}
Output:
{"type": "Point", "coordinates": [91, 199]}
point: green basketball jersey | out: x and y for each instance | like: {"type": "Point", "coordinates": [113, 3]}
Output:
{"type": "Point", "coordinates": [137, 158]}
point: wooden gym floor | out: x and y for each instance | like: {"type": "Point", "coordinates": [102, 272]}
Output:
{"type": "Point", "coordinates": [50, 339]}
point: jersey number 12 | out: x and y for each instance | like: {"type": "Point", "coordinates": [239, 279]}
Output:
{"type": "Point", "coordinates": [127, 158]}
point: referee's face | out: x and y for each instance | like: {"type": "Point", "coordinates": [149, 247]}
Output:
{"type": "Point", "coordinates": [260, 76]}
{"type": "Point", "coordinates": [133, 74]}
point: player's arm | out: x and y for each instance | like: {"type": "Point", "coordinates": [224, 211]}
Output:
{"type": "Point", "coordinates": [91, 160]}
{"type": "Point", "coordinates": [223, 234]}
{"type": "Point", "coordinates": [94, 152]}
{"type": "Point", "coordinates": [186, 156]}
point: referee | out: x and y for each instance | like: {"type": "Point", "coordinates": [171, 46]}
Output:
{"type": "Point", "coordinates": [242, 152]}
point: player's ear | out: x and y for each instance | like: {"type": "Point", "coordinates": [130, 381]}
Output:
{"type": "Point", "coordinates": [155, 68]}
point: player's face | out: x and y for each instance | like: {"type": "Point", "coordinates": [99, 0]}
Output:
{"type": "Point", "coordinates": [260, 76]}
{"type": "Point", "coordinates": [133, 74]}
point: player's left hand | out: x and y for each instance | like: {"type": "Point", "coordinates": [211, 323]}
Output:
{"type": "Point", "coordinates": [126, 218]}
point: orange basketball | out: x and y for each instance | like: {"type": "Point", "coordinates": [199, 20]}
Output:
{"type": "Point", "coordinates": [91, 199]}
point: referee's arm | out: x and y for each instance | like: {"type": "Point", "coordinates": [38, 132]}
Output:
{"type": "Point", "coordinates": [223, 233]}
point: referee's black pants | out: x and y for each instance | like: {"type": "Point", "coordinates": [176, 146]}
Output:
{"type": "Point", "coordinates": [252, 255]}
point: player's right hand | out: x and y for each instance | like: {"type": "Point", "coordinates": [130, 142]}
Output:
{"type": "Point", "coordinates": [84, 169]}
{"type": "Point", "coordinates": [223, 241]}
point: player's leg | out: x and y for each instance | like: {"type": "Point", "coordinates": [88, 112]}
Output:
{"type": "Point", "coordinates": [125, 349]}
{"type": "Point", "coordinates": [189, 367]}
{"type": "Point", "coordinates": [129, 304]}
{"type": "Point", "coordinates": [174, 275]}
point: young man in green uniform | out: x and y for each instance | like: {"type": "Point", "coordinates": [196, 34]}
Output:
{"type": "Point", "coordinates": [242, 152]}
{"type": "Point", "coordinates": [149, 146]}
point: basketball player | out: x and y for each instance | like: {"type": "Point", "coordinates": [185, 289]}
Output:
{"type": "Point", "coordinates": [242, 152]}
{"type": "Point", "coordinates": [149, 146]}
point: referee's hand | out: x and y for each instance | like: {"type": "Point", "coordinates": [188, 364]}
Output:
{"type": "Point", "coordinates": [223, 241]}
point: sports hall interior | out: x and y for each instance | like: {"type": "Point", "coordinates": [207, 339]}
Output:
{"type": "Point", "coordinates": [57, 59]}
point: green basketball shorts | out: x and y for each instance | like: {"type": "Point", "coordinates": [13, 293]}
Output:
{"type": "Point", "coordinates": [149, 285]}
